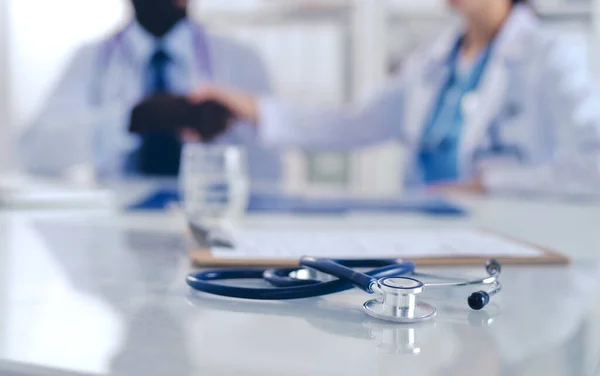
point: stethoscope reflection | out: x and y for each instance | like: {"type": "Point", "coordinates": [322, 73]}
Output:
{"type": "Point", "coordinates": [342, 320]}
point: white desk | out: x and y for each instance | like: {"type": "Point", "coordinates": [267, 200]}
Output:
{"type": "Point", "coordinates": [103, 294]}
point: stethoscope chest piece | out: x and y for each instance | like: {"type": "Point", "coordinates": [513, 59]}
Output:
{"type": "Point", "coordinates": [398, 302]}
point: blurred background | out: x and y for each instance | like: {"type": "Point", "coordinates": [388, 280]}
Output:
{"type": "Point", "coordinates": [325, 51]}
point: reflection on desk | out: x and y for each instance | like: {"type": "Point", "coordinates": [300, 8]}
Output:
{"type": "Point", "coordinates": [29, 193]}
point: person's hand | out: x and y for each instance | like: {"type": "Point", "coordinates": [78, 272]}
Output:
{"type": "Point", "coordinates": [473, 186]}
{"type": "Point", "coordinates": [172, 114]}
{"type": "Point", "coordinates": [160, 113]}
{"type": "Point", "coordinates": [189, 135]}
{"type": "Point", "coordinates": [242, 104]}
{"type": "Point", "coordinates": [210, 119]}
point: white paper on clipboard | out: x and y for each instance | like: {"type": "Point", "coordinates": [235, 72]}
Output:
{"type": "Point", "coordinates": [389, 243]}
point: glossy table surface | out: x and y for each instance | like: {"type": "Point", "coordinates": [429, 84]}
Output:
{"type": "Point", "coordinates": [103, 293]}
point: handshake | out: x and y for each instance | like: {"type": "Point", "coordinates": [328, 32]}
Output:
{"type": "Point", "coordinates": [180, 116]}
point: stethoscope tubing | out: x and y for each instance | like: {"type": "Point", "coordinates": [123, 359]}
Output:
{"type": "Point", "coordinates": [201, 47]}
{"type": "Point", "coordinates": [204, 282]}
{"type": "Point", "coordinates": [361, 281]}
{"type": "Point", "coordinates": [280, 277]}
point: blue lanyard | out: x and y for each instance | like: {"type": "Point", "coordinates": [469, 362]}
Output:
{"type": "Point", "coordinates": [476, 73]}
{"type": "Point", "coordinates": [454, 85]}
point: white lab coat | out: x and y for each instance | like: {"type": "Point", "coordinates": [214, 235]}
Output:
{"type": "Point", "coordinates": [536, 89]}
{"type": "Point", "coordinates": [85, 120]}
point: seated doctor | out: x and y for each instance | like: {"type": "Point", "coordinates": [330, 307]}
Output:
{"type": "Point", "coordinates": [139, 78]}
{"type": "Point", "coordinates": [496, 105]}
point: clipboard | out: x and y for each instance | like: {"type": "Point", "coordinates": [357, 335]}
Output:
{"type": "Point", "coordinates": [205, 257]}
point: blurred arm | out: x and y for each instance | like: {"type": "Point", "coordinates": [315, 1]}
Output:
{"type": "Point", "coordinates": [568, 97]}
{"type": "Point", "coordinates": [253, 77]}
{"type": "Point", "coordinates": [285, 124]}
{"type": "Point", "coordinates": [71, 130]}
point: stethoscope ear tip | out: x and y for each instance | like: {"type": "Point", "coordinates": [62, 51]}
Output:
{"type": "Point", "coordinates": [478, 300]}
{"type": "Point", "coordinates": [493, 267]}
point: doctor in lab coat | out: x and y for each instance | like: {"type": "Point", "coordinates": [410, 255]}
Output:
{"type": "Point", "coordinates": [85, 120]}
{"type": "Point", "coordinates": [496, 105]}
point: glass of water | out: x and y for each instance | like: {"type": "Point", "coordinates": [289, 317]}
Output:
{"type": "Point", "coordinates": [214, 184]}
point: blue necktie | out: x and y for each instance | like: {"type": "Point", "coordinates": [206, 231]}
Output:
{"type": "Point", "coordinates": [159, 63]}
{"type": "Point", "coordinates": [160, 152]}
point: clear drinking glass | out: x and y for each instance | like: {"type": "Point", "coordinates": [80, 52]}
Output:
{"type": "Point", "coordinates": [214, 184]}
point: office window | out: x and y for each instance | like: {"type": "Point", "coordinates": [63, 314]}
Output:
{"type": "Point", "coordinates": [43, 35]}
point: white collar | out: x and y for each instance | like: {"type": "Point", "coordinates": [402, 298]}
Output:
{"type": "Point", "coordinates": [511, 43]}
{"type": "Point", "coordinates": [178, 42]}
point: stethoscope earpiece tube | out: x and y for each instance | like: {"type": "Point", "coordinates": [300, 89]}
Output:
{"type": "Point", "coordinates": [205, 282]}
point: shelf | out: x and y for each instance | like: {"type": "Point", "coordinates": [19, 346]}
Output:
{"type": "Point", "coordinates": [418, 11]}
{"type": "Point", "coordinates": [572, 12]}
{"type": "Point", "coordinates": [277, 11]}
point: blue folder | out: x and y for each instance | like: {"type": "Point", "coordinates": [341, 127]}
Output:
{"type": "Point", "coordinates": [287, 204]}
{"type": "Point", "coordinates": [272, 203]}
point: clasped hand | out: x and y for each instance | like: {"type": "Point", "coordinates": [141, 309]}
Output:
{"type": "Point", "coordinates": [191, 120]}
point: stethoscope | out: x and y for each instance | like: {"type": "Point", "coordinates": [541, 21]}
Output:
{"type": "Point", "coordinates": [467, 97]}
{"type": "Point", "coordinates": [395, 281]}
{"type": "Point", "coordinates": [111, 47]}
